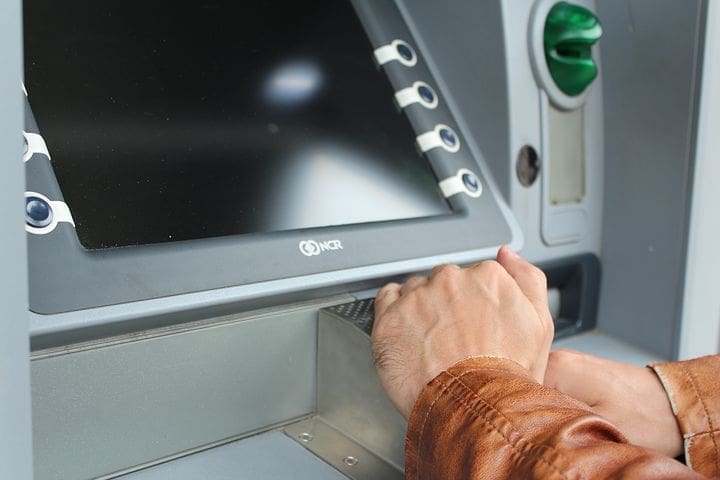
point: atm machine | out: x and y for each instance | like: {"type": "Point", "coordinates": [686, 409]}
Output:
{"type": "Point", "coordinates": [214, 192]}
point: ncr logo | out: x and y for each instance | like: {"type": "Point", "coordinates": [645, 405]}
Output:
{"type": "Point", "coordinates": [311, 248]}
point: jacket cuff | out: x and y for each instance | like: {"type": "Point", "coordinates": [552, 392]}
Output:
{"type": "Point", "coordinates": [693, 388]}
{"type": "Point", "coordinates": [437, 405]}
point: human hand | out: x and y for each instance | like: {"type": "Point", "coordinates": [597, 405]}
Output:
{"type": "Point", "coordinates": [630, 397]}
{"type": "Point", "coordinates": [495, 308]}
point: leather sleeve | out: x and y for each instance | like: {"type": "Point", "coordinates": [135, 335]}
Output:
{"type": "Point", "coordinates": [693, 387]}
{"type": "Point", "coordinates": [486, 418]}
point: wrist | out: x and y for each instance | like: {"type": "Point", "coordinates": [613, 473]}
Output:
{"type": "Point", "coordinates": [667, 414]}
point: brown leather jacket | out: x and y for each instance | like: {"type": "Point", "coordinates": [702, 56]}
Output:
{"type": "Point", "coordinates": [486, 418]}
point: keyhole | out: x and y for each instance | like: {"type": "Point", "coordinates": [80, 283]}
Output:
{"type": "Point", "coordinates": [527, 166]}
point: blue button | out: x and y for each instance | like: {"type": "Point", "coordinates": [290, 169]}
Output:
{"type": "Point", "coordinates": [426, 94]}
{"type": "Point", "coordinates": [38, 212]}
{"type": "Point", "coordinates": [448, 137]}
{"type": "Point", "coordinates": [471, 182]}
{"type": "Point", "coordinates": [405, 51]}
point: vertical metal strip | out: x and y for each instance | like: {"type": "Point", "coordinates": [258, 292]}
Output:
{"type": "Point", "coordinates": [15, 423]}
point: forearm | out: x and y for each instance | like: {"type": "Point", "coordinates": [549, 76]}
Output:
{"type": "Point", "coordinates": [487, 418]}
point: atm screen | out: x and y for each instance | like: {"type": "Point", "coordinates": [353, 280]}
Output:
{"type": "Point", "coordinates": [171, 121]}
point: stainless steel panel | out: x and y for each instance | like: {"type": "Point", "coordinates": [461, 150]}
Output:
{"type": "Point", "coordinates": [104, 407]}
{"type": "Point", "coordinates": [348, 456]}
{"type": "Point", "coordinates": [269, 456]}
{"type": "Point", "coordinates": [350, 396]}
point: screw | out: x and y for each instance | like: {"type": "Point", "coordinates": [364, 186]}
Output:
{"type": "Point", "coordinates": [350, 461]}
{"type": "Point", "coordinates": [305, 437]}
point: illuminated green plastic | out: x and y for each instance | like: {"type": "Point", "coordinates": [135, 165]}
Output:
{"type": "Point", "coordinates": [570, 33]}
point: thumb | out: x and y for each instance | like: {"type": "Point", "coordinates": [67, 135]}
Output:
{"type": "Point", "coordinates": [529, 278]}
{"type": "Point", "coordinates": [533, 284]}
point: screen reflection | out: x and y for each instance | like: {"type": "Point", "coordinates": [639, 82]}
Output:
{"type": "Point", "coordinates": [293, 83]}
{"type": "Point", "coordinates": [334, 184]}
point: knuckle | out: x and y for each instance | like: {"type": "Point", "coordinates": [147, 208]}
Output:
{"type": "Point", "coordinates": [446, 272]}
{"type": "Point", "coordinates": [447, 269]}
{"type": "Point", "coordinates": [387, 289]}
{"type": "Point", "coordinates": [493, 276]}
{"type": "Point", "coordinates": [490, 267]}
{"type": "Point", "coordinates": [412, 285]}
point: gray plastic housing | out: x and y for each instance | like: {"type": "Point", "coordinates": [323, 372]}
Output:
{"type": "Point", "coordinates": [72, 289]}
{"type": "Point", "coordinates": [491, 40]}
{"type": "Point", "coordinates": [15, 415]}
{"type": "Point", "coordinates": [652, 92]}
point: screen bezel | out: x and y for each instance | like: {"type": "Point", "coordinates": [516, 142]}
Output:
{"type": "Point", "coordinates": [192, 142]}
{"type": "Point", "coordinates": [66, 278]}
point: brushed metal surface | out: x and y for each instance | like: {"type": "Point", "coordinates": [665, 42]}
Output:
{"type": "Point", "coordinates": [346, 455]}
{"type": "Point", "coordinates": [350, 397]}
{"type": "Point", "coordinates": [108, 406]}
{"type": "Point", "coordinates": [268, 456]}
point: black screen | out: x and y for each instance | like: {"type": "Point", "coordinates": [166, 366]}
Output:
{"type": "Point", "coordinates": [170, 121]}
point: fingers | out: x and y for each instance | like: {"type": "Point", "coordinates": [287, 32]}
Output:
{"type": "Point", "coordinates": [411, 284]}
{"type": "Point", "coordinates": [391, 292]}
{"type": "Point", "coordinates": [529, 278]}
{"type": "Point", "coordinates": [442, 269]}
{"type": "Point", "coordinates": [386, 297]}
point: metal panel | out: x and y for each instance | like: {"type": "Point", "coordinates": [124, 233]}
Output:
{"type": "Point", "coordinates": [105, 407]}
{"type": "Point", "coordinates": [15, 442]}
{"type": "Point", "coordinates": [340, 451]}
{"type": "Point", "coordinates": [597, 343]}
{"type": "Point", "coordinates": [650, 53]}
{"type": "Point", "coordinates": [701, 306]}
{"type": "Point", "coordinates": [350, 396]}
{"type": "Point", "coordinates": [270, 456]}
